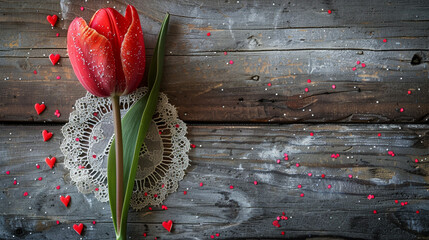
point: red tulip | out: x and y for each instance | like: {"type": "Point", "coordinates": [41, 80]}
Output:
{"type": "Point", "coordinates": [108, 55]}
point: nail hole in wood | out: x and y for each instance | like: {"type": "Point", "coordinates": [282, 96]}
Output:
{"type": "Point", "coordinates": [416, 60]}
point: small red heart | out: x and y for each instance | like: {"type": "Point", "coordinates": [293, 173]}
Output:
{"type": "Point", "coordinates": [54, 58]}
{"type": "Point", "coordinates": [50, 161]}
{"type": "Point", "coordinates": [78, 228]}
{"type": "Point", "coordinates": [65, 200]}
{"type": "Point", "coordinates": [46, 135]}
{"type": "Point", "coordinates": [52, 19]}
{"type": "Point", "coordinates": [168, 225]}
{"type": "Point", "coordinates": [39, 108]}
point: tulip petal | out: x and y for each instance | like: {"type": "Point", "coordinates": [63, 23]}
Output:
{"type": "Point", "coordinates": [133, 51]}
{"type": "Point", "coordinates": [92, 58]}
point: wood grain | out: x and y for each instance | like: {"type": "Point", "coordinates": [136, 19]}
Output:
{"type": "Point", "coordinates": [282, 44]}
{"type": "Point", "coordinates": [238, 156]}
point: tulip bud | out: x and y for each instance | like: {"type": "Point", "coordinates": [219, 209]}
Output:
{"type": "Point", "coordinates": [108, 55]}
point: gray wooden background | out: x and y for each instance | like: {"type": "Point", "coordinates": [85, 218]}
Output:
{"type": "Point", "coordinates": [242, 117]}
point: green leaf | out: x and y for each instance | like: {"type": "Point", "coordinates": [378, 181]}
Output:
{"type": "Point", "coordinates": [135, 124]}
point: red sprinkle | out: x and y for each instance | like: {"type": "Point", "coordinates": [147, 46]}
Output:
{"type": "Point", "coordinates": [94, 222]}
{"type": "Point", "coordinates": [311, 134]}
{"type": "Point", "coordinates": [269, 84]}
{"type": "Point", "coordinates": [145, 194]}
{"type": "Point", "coordinates": [231, 62]}
{"type": "Point", "coordinates": [402, 204]}
{"type": "Point", "coordinates": [384, 40]}
{"type": "Point", "coordinates": [201, 184]}
{"type": "Point", "coordinates": [14, 182]}
{"type": "Point", "coordinates": [7, 172]}
{"type": "Point", "coordinates": [25, 194]}
{"type": "Point", "coordinates": [37, 166]}
{"type": "Point", "coordinates": [57, 34]}
{"type": "Point", "coordinates": [150, 208]}
{"type": "Point", "coordinates": [350, 176]}
{"type": "Point", "coordinates": [416, 160]}
{"type": "Point", "coordinates": [155, 195]}
{"type": "Point", "coordinates": [58, 187]}
{"type": "Point", "coordinates": [276, 223]}
{"type": "Point", "coordinates": [329, 186]}
{"type": "Point", "coordinates": [401, 109]}
{"type": "Point", "coordinates": [323, 175]}
{"type": "Point", "coordinates": [82, 8]}
{"type": "Point", "coordinates": [217, 234]}
{"type": "Point", "coordinates": [35, 72]}
{"type": "Point", "coordinates": [193, 146]}
{"type": "Point", "coordinates": [363, 65]}
{"type": "Point", "coordinates": [58, 77]}
{"type": "Point", "coordinates": [212, 236]}
{"type": "Point", "coordinates": [77, 139]}
{"type": "Point", "coordinates": [94, 156]}
{"type": "Point", "coordinates": [40, 178]}
{"type": "Point", "coordinates": [306, 89]}
{"type": "Point", "coordinates": [309, 80]}
{"type": "Point", "coordinates": [297, 165]}
{"type": "Point", "coordinates": [58, 222]}
{"type": "Point", "coordinates": [185, 192]}
{"type": "Point", "coordinates": [144, 234]}
{"type": "Point", "coordinates": [225, 53]}
{"type": "Point", "coordinates": [417, 211]}
{"type": "Point", "coordinates": [231, 187]}
{"type": "Point", "coordinates": [310, 174]}
{"type": "Point", "coordinates": [301, 195]}
{"type": "Point", "coordinates": [278, 160]}
{"type": "Point", "coordinates": [333, 86]}
{"type": "Point", "coordinates": [375, 211]}
{"type": "Point", "coordinates": [409, 92]}
{"type": "Point", "coordinates": [357, 62]}
{"type": "Point", "coordinates": [299, 186]}
{"type": "Point", "coordinates": [329, 11]}
{"type": "Point", "coordinates": [209, 34]}
{"type": "Point", "coordinates": [354, 68]}
{"type": "Point", "coordinates": [396, 201]}
{"type": "Point", "coordinates": [283, 233]}
{"type": "Point", "coordinates": [95, 114]}
{"type": "Point", "coordinates": [177, 125]}
{"type": "Point", "coordinates": [96, 189]}
{"type": "Point", "coordinates": [163, 207]}
{"type": "Point", "coordinates": [379, 134]}
{"type": "Point", "coordinates": [255, 182]}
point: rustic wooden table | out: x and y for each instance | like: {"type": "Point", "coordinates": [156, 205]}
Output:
{"type": "Point", "coordinates": [242, 116]}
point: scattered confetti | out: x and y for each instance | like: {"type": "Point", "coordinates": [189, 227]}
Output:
{"type": "Point", "coordinates": [14, 182]}
{"type": "Point", "coordinates": [96, 189]}
{"type": "Point", "coordinates": [57, 113]}
{"type": "Point", "coordinates": [311, 134]}
{"type": "Point", "coordinates": [401, 110]}
{"type": "Point", "coordinates": [212, 236]}
{"type": "Point", "coordinates": [416, 160]}
{"type": "Point", "coordinates": [193, 146]}
{"type": "Point", "coordinates": [370, 197]}
{"type": "Point", "coordinates": [379, 134]}
{"type": "Point", "coordinates": [217, 234]}
{"type": "Point", "coordinates": [278, 160]}
{"type": "Point", "coordinates": [37, 166]}
{"type": "Point", "coordinates": [58, 222]}
{"type": "Point", "coordinates": [409, 92]}
{"type": "Point", "coordinates": [163, 207]}
{"type": "Point", "coordinates": [94, 222]}
{"type": "Point", "coordinates": [310, 174]}
{"type": "Point", "coordinates": [299, 186]}
{"type": "Point", "coordinates": [39, 108]}
{"type": "Point", "coordinates": [375, 211]}
{"type": "Point", "coordinates": [391, 153]}
{"type": "Point", "coordinates": [40, 179]}
{"type": "Point", "coordinates": [357, 62]}
{"type": "Point", "coordinates": [417, 211]}
{"type": "Point", "coordinates": [297, 164]}
{"type": "Point", "coordinates": [396, 201]}
{"type": "Point", "coordinates": [323, 175]}
{"type": "Point", "coordinates": [350, 176]}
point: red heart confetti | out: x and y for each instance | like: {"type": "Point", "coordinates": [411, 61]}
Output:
{"type": "Point", "coordinates": [39, 108]}
{"type": "Point", "coordinates": [276, 223]}
{"type": "Point", "coordinates": [384, 40]}
{"type": "Point", "coordinates": [350, 176]}
{"type": "Point", "coordinates": [164, 207]}
{"type": "Point", "coordinates": [323, 175]}
{"type": "Point", "coordinates": [78, 228]}
{"type": "Point", "coordinates": [57, 113]}
{"type": "Point", "coordinates": [54, 58]}
{"type": "Point", "coordinates": [51, 161]}
{"type": "Point", "coordinates": [211, 236]}
{"type": "Point", "coordinates": [301, 195]}
{"type": "Point", "coordinates": [52, 19]}
{"type": "Point", "coordinates": [168, 225]}
{"type": "Point", "coordinates": [46, 135]}
{"type": "Point", "coordinates": [65, 200]}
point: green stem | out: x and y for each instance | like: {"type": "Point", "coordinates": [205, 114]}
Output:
{"type": "Point", "coordinates": [119, 162]}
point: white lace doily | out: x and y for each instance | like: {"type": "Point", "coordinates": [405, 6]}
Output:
{"type": "Point", "coordinates": [163, 156]}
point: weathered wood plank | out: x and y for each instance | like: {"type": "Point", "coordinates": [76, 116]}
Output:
{"type": "Point", "coordinates": [205, 88]}
{"type": "Point", "coordinates": [304, 42]}
{"type": "Point", "coordinates": [239, 155]}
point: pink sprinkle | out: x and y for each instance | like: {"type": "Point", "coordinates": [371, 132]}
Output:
{"type": "Point", "coordinates": [278, 160]}
{"type": "Point", "coordinates": [286, 158]}
{"type": "Point", "coordinates": [357, 62]}
{"type": "Point", "coordinates": [301, 195]}
{"type": "Point", "coordinates": [299, 186]}
{"type": "Point", "coordinates": [231, 187]}
{"type": "Point", "coordinates": [354, 68]}
{"type": "Point", "coordinates": [25, 194]}
{"type": "Point", "coordinates": [310, 174]}
{"type": "Point", "coordinates": [323, 175]}
{"type": "Point", "coordinates": [329, 11]}
{"type": "Point", "coordinates": [77, 139]}
{"type": "Point", "coordinates": [329, 186]}
{"type": "Point", "coordinates": [401, 109]}
{"type": "Point", "coordinates": [255, 182]}
{"type": "Point", "coordinates": [201, 184]}
{"type": "Point", "coordinates": [37, 166]}
{"type": "Point", "coordinates": [14, 182]}
{"type": "Point", "coordinates": [311, 134]}
{"type": "Point", "coordinates": [225, 53]}
{"type": "Point", "coordinates": [375, 211]}
{"type": "Point", "coordinates": [212, 236]}
{"type": "Point", "coordinates": [40, 178]}
{"type": "Point", "coordinates": [94, 222]}
{"type": "Point", "coordinates": [402, 204]}
{"type": "Point", "coordinates": [384, 40]}
{"type": "Point", "coordinates": [396, 201]}
{"type": "Point", "coordinates": [333, 86]}
{"type": "Point", "coordinates": [278, 218]}
{"type": "Point", "coordinates": [363, 65]}
{"type": "Point", "coordinates": [409, 92]}
{"type": "Point", "coordinates": [209, 34]}
{"type": "Point", "coordinates": [309, 80]}
{"type": "Point", "coordinates": [269, 84]}
{"type": "Point", "coordinates": [217, 234]}
{"type": "Point", "coordinates": [185, 192]}
{"type": "Point", "coordinates": [58, 222]}
{"type": "Point", "coordinates": [58, 187]}
{"type": "Point", "coordinates": [82, 8]}
{"type": "Point", "coordinates": [297, 165]}
{"type": "Point", "coordinates": [58, 77]}
{"type": "Point", "coordinates": [416, 160]}
{"type": "Point", "coordinates": [350, 176]}
{"type": "Point", "coordinates": [35, 72]}
{"type": "Point", "coordinates": [306, 89]}
{"type": "Point", "coordinates": [285, 154]}
{"type": "Point", "coordinates": [231, 62]}
{"type": "Point", "coordinates": [57, 34]}
{"type": "Point", "coordinates": [7, 172]}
